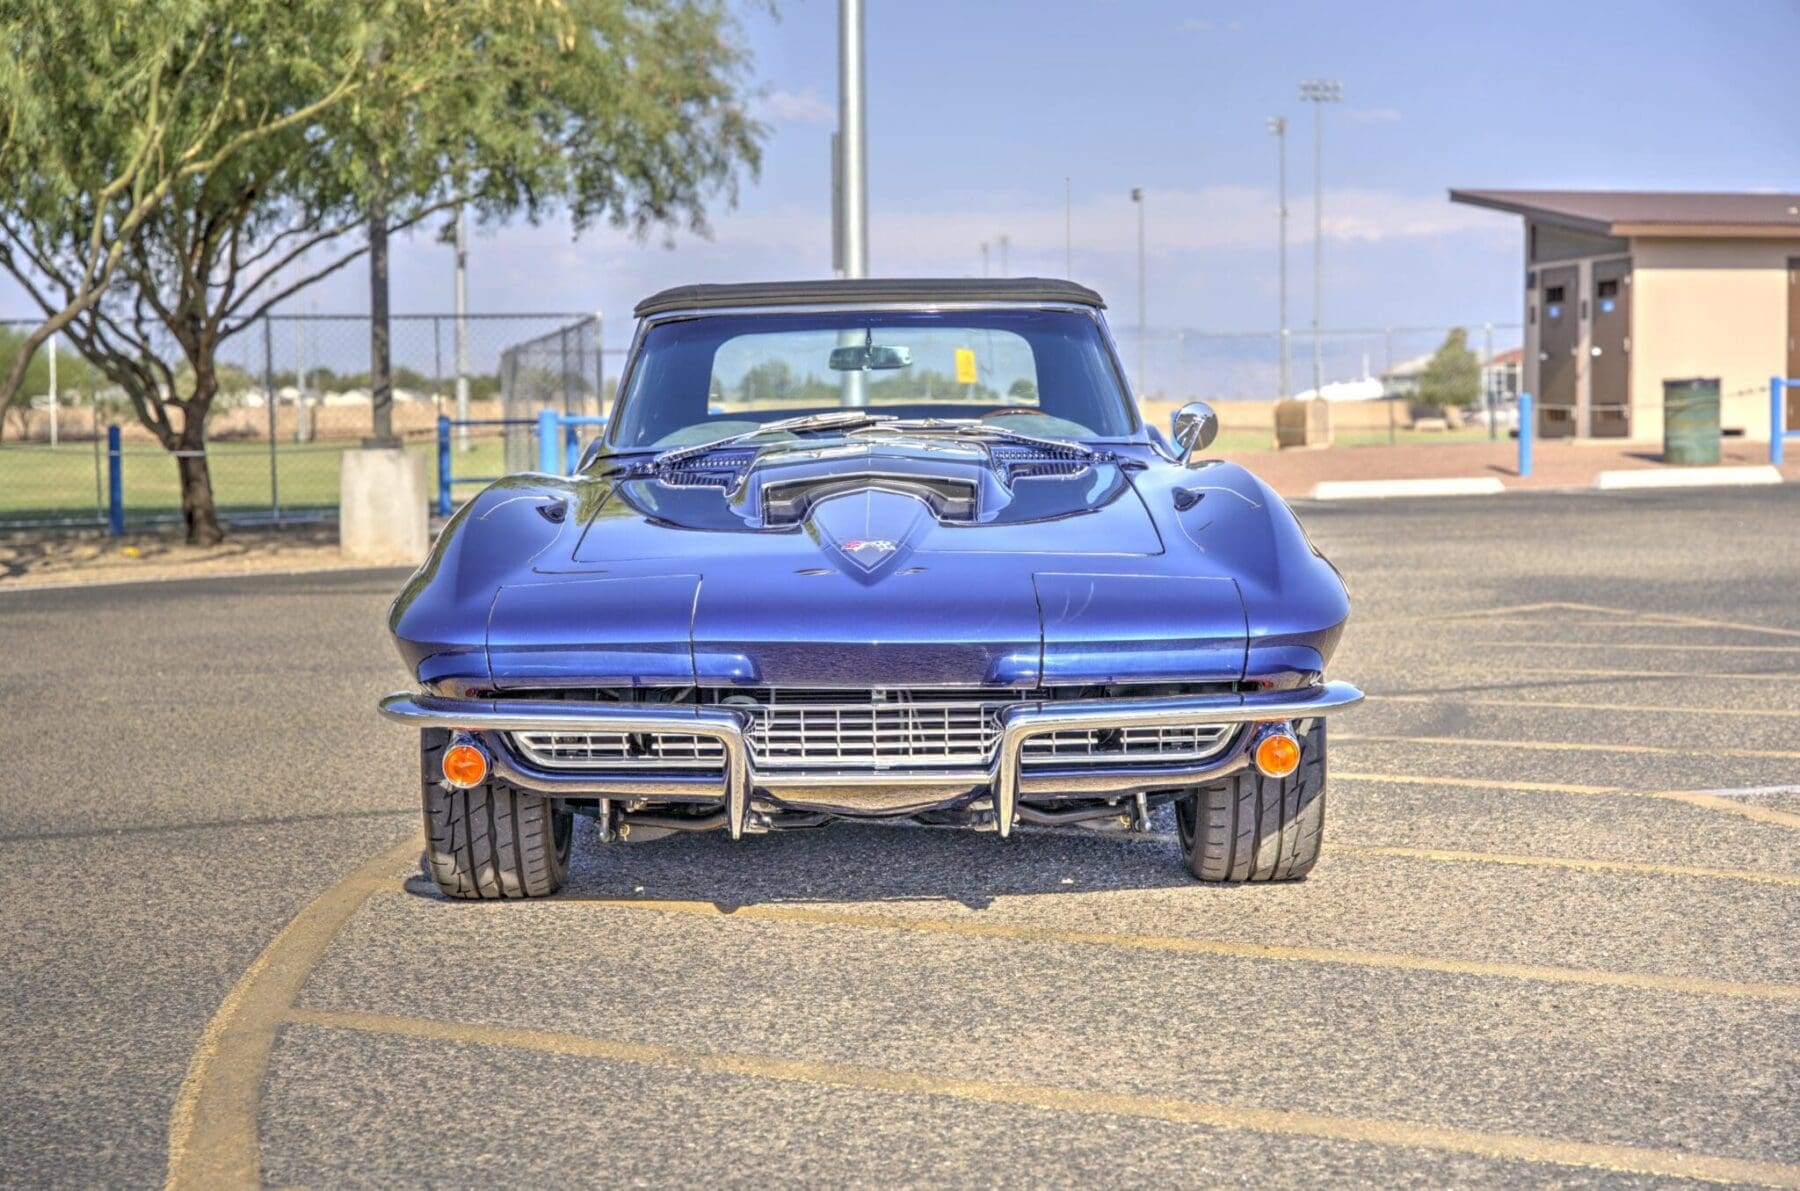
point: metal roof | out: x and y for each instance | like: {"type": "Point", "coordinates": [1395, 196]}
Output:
{"type": "Point", "coordinates": [868, 291]}
{"type": "Point", "coordinates": [1649, 212]}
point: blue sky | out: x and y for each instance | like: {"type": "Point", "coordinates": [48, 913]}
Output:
{"type": "Point", "coordinates": [979, 109]}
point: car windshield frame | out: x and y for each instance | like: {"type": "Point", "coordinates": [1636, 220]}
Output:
{"type": "Point", "coordinates": [1136, 431]}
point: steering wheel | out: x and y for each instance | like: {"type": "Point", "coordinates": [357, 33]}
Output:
{"type": "Point", "coordinates": [1011, 409]}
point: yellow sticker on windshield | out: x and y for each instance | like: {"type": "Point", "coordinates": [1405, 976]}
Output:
{"type": "Point", "coordinates": [965, 365]}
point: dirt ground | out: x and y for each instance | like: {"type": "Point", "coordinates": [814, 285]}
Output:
{"type": "Point", "coordinates": [49, 560]}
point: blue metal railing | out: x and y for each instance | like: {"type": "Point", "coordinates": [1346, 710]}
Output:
{"type": "Point", "coordinates": [1779, 431]}
{"type": "Point", "coordinates": [1527, 432]}
{"type": "Point", "coordinates": [559, 447]}
{"type": "Point", "coordinates": [559, 439]}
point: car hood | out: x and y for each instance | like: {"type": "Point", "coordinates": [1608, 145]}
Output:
{"type": "Point", "coordinates": [865, 508]}
{"type": "Point", "coordinates": [916, 562]}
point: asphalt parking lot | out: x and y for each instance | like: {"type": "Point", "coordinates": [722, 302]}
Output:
{"type": "Point", "coordinates": [1554, 935]}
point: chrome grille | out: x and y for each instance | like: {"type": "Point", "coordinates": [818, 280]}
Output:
{"type": "Point", "coordinates": [872, 729]}
{"type": "Point", "coordinates": [1113, 746]}
{"type": "Point", "coordinates": [619, 750]}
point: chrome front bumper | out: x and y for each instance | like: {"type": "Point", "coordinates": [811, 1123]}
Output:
{"type": "Point", "coordinates": [739, 781]}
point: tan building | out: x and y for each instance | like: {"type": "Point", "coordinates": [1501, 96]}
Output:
{"type": "Point", "coordinates": [1624, 290]}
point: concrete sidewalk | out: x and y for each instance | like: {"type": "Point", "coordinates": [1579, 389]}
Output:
{"type": "Point", "coordinates": [1555, 465]}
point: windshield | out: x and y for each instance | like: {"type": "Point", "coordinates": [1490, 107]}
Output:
{"type": "Point", "coordinates": [1046, 373]}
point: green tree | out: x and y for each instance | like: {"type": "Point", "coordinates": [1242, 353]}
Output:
{"type": "Point", "coordinates": [1453, 377]}
{"type": "Point", "coordinates": [172, 169]}
{"type": "Point", "coordinates": [72, 375]}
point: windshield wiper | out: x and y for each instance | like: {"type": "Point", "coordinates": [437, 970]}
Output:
{"type": "Point", "coordinates": [835, 420]}
{"type": "Point", "coordinates": [975, 428]}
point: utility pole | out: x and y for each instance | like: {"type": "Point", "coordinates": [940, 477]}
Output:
{"type": "Point", "coordinates": [853, 173]}
{"type": "Point", "coordinates": [1068, 228]}
{"type": "Point", "coordinates": [462, 328]}
{"type": "Point", "coordinates": [1142, 385]}
{"type": "Point", "coordinates": [984, 258]}
{"type": "Point", "coordinates": [1003, 266]}
{"type": "Point", "coordinates": [1278, 126]}
{"type": "Point", "coordinates": [1319, 92]}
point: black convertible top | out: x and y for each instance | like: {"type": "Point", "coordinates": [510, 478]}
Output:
{"type": "Point", "coordinates": [867, 291]}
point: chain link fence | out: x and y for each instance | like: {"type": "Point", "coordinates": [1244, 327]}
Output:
{"type": "Point", "coordinates": [1184, 364]}
{"type": "Point", "coordinates": [294, 395]}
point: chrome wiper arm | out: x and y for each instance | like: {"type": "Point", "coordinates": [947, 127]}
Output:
{"type": "Point", "coordinates": [835, 419]}
{"type": "Point", "coordinates": [976, 428]}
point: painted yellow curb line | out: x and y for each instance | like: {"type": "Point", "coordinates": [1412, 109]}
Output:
{"type": "Point", "coordinates": [1366, 1130]}
{"type": "Point", "coordinates": [213, 1126]}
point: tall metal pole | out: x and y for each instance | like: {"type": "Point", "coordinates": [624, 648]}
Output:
{"type": "Point", "coordinates": [1319, 92]}
{"type": "Point", "coordinates": [299, 375]}
{"type": "Point", "coordinates": [853, 175]}
{"type": "Point", "coordinates": [984, 258]}
{"type": "Point", "coordinates": [1278, 126]}
{"type": "Point", "coordinates": [1142, 385]}
{"type": "Point", "coordinates": [852, 133]}
{"type": "Point", "coordinates": [461, 334]}
{"type": "Point", "coordinates": [1004, 242]}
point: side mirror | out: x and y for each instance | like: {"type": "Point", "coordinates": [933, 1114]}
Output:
{"type": "Point", "coordinates": [1195, 425]}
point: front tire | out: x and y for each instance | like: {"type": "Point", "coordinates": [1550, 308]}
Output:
{"type": "Point", "coordinates": [1256, 828]}
{"type": "Point", "coordinates": [490, 841]}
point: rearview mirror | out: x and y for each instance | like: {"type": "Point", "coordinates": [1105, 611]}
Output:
{"type": "Point", "coordinates": [873, 357]}
{"type": "Point", "coordinates": [1195, 425]}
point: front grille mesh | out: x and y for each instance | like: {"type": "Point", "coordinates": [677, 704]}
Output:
{"type": "Point", "coordinates": [581, 751]}
{"type": "Point", "coordinates": [829, 730]}
{"type": "Point", "coordinates": [873, 729]}
{"type": "Point", "coordinates": [1114, 746]}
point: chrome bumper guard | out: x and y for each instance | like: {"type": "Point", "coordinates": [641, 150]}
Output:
{"type": "Point", "coordinates": [1018, 723]}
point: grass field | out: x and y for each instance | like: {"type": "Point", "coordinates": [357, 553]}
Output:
{"type": "Point", "coordinates": [58, 483]}
{"type": "Point", "coordinates": [41, 483]}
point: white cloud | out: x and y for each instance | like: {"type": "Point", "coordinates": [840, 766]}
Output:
{"type": "Point", "coordinates": [796, 107]}
{"type": "Point", "coordinates": [1373, 115]}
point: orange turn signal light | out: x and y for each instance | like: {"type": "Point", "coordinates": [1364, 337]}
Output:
{"type": "Point", "coordinates": [465, 764]}
{"type": "Point", "coordinates": [1277, 754]}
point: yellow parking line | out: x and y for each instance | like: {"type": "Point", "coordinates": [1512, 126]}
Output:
{"type": "Point", "coordinates": [1567, 746]}
{"type": "Point", "coordinates": [213, 1126]}
{"type": "Point", "coordinates": [1707, 801]}
{"type": "Point", "coordinates": [1587, 672]}
{"type": "Point", "coordinates": [1455, 856]}
{"type": "Point", "coordinates": [1617, 616]}
{"type": "Point", "coordinates": [1651, 645]}
{"type": "Point", "coordinates": [977, 928]}
{"type": "Point", "coordinates": [1285, 1122]}
{"type": "Point", "coordinates": [1654, 709]}
{"type": "Point", "coordinates": [1473, 783]}
{"type": "Point", "coordinates": [1645, 868]}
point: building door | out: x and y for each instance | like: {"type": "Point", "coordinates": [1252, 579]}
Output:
{"type": "Point", "coordinates": [1559, 332]}
{"type": "Point", "coordinates": [1609, 394]}
{"type": "Point", "coordinates": [1793, 352]}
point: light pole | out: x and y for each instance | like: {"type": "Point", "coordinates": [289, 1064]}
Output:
{"type": "Point", "coordinates": [984, 258]}
{"type": "Point", "coordinates": [853, 174]}
{"type": "Point", "coordinates": [1137, 196]}
{"type": "Point", "coordinates": [1319, 92]}
{"type": "Point", "coordinates": [853, 170]}
{"type": "Point", "coordinates": [1003, 246]}
{"type": "Point", "coordinates": [462, 329]}
{"type": "Point", "coordinates": [1278, 126]}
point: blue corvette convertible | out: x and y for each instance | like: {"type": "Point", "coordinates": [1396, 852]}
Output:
{"type": "Point", "coordinates": [872, 550]}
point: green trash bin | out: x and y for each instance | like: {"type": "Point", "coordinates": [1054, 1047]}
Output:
{"type": "Point", "coordinates": [1691, 420]}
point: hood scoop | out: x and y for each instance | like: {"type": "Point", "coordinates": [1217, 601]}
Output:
{"type": "Point", "coordinates": [953, 481]}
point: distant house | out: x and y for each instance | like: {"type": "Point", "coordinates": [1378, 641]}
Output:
{"type": "Point", "coordinates": [1625, 290]}
{"type": "Point", "coordinates": [1499, 377]}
